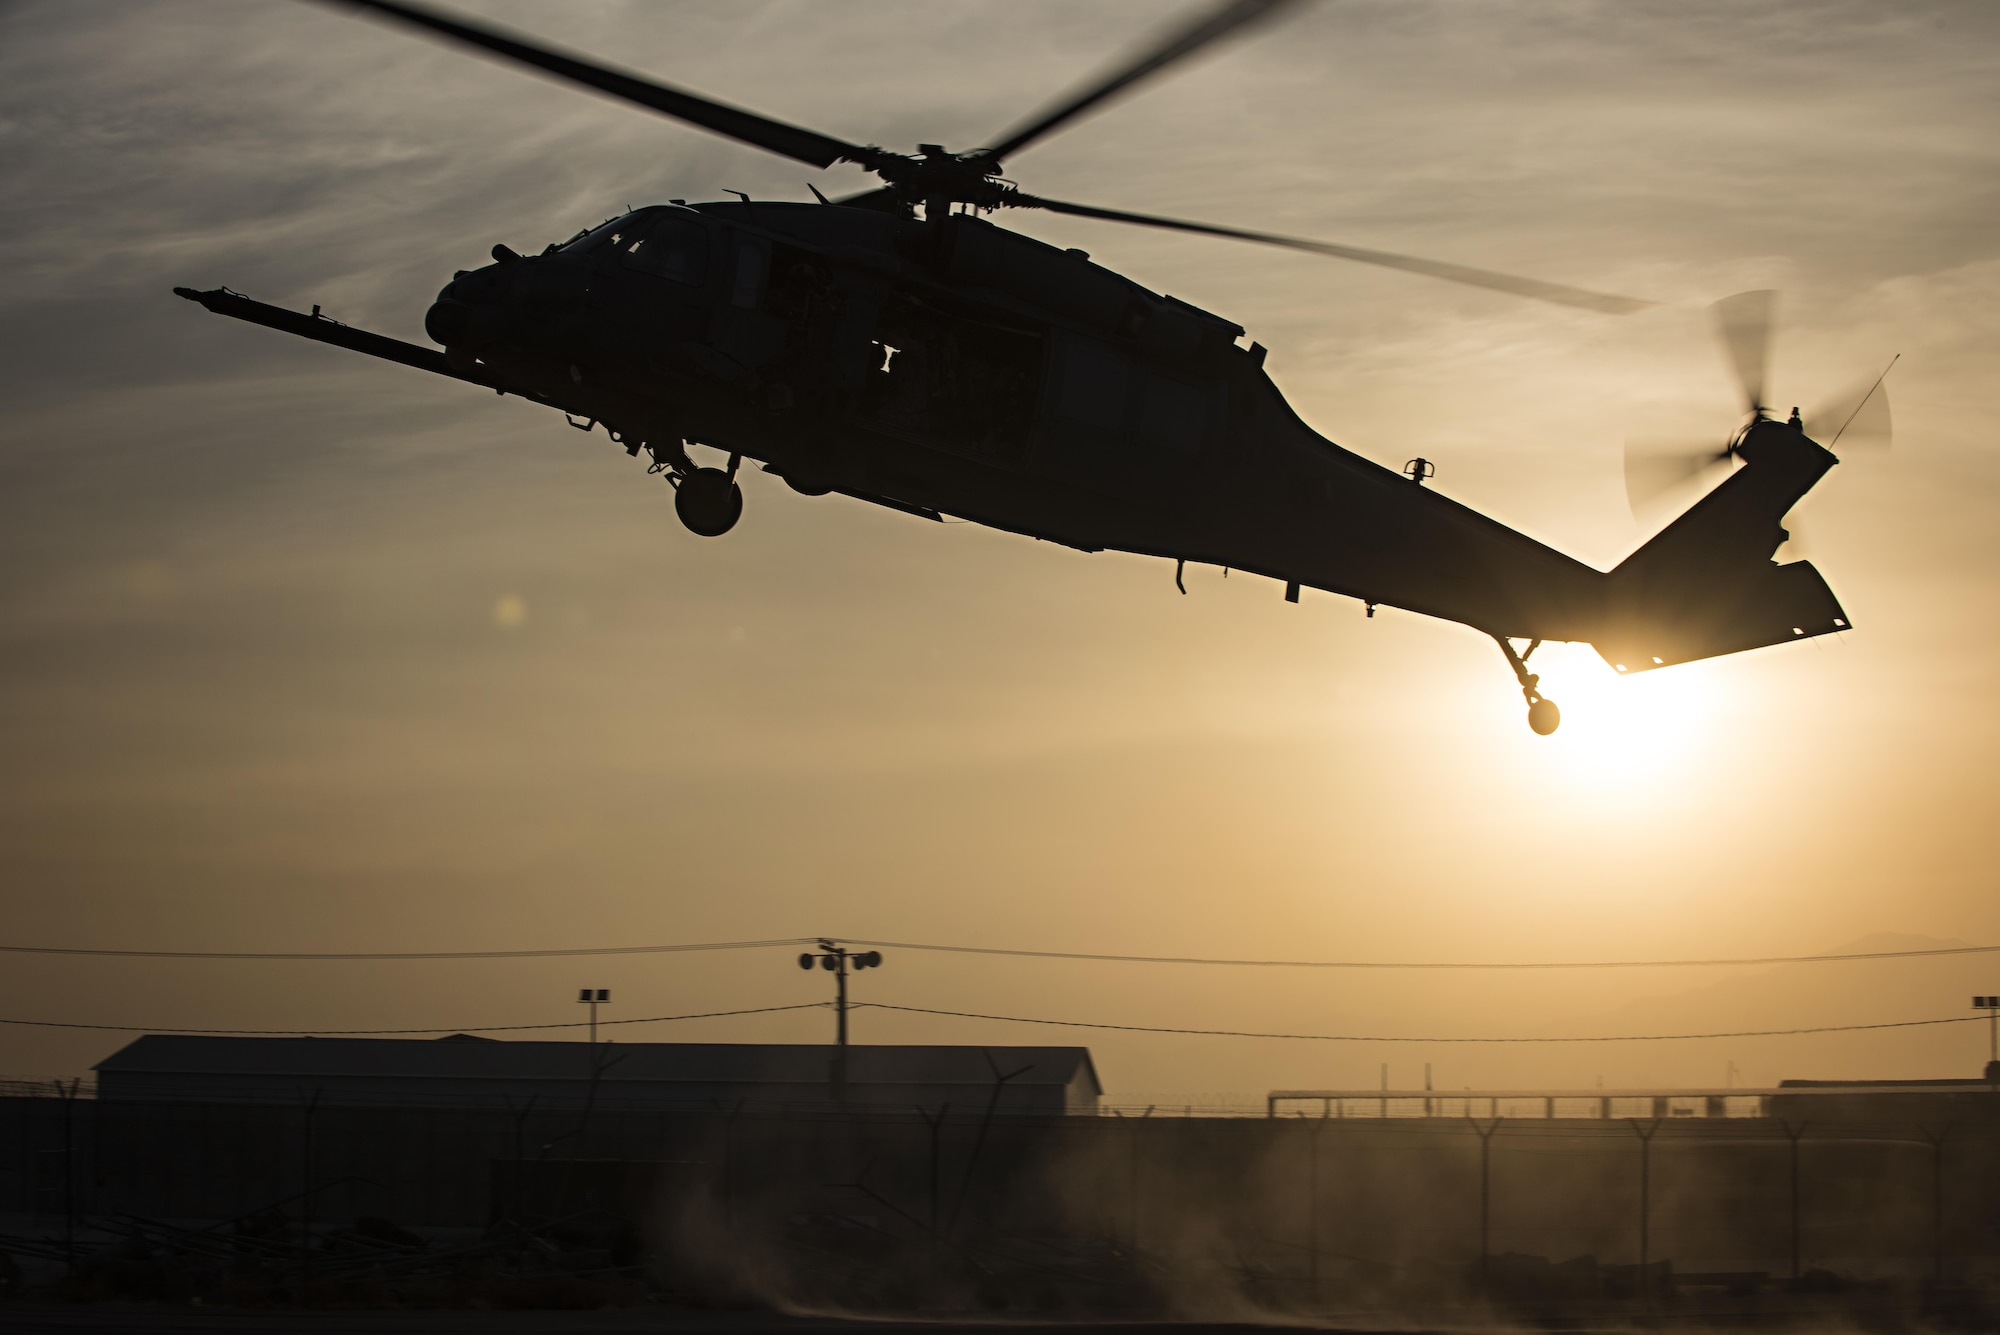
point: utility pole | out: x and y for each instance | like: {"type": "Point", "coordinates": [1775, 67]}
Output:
{"type": "Point", "coordinates": [836, 960]}
{"type": "Point", "coordinates": [1991, 1005]}
{"type": "Point", "coordinates": [593, 997]}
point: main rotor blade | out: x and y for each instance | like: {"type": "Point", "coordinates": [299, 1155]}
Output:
{"type": "Point", "coordinates": [1744, 324]}
{"type": "Point", "coordinates": [804, 145]}
{"type": "Point", "coordinates": [1451, 273]}
{"type": "Point", "coordinates": [1656, 471]}
{"type": "Point", "coordinates": [1178, 44]}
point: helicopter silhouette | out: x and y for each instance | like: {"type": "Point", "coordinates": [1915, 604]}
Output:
{"type": "Point", "coordinates": [897, 347]}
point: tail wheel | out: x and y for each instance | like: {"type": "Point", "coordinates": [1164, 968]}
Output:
{"type": "Point", "coordinates": [1543, 716]}
{"type": "Point", "coordinates": [709, 502]}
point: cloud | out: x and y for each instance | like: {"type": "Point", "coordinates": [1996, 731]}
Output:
{"type": "Point", "coordinates": [254, 675]}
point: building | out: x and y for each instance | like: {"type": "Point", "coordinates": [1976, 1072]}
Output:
{"type": "Point", "coordinates": [1934, 1104]}
{"type": "Point", "coordinates": [478, 1073]}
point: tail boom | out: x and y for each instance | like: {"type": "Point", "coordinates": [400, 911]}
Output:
{"type": "Point", "coordinates": [1706, 584]}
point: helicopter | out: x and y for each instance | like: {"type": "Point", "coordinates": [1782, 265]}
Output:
{"type": "Point", "coordinates": [900, 348]}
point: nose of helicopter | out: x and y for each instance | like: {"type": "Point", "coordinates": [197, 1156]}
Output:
{"type": "Point", "coordinates": [467, 313]}
{"type": "Point", "coordinates": [449, 320]}
{"type": "Point", "coordinates": [513, 300]}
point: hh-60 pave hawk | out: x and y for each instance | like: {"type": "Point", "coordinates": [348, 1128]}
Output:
{"type": "Point", "coordinates": [896, 347]}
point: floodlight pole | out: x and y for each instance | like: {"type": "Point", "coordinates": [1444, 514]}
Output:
{"type": "Point", "coordinates": [835, 959]}
{"type": "Point", "coordinates": [840, 1005]}
{"type": "Point", "coordinates": [593, 997]}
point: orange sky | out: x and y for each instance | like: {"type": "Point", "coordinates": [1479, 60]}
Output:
{"type": "Point", "coordinates": [254, 693]}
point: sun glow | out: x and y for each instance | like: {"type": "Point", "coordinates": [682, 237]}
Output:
{"type": "Point", "coordinates": [1623, 733]}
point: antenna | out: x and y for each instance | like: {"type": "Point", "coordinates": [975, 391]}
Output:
{"type": "Point", "coordinates": [1864, 401]}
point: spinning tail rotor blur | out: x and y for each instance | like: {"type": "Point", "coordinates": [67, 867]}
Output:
{"type": "Point", "coordinates": [1657, 472]}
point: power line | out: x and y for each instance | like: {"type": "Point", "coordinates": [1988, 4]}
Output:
{"type": "Point", "coordinates": [1444, 964]}
{"type": "Point", "coordinates": [1005, 1019]}
{"type": "Point", "coordinates": [564, 952]}
{"type": "Point", "coordinates": [1002, 951]}
{"type": "Point", "coordinates": [1416, 1038]}
{"type": "Point", "coordinates": [384, 1033]}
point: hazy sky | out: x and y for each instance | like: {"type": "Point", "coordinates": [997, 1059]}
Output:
{"type": "Point", "coordinates": [303, 651]}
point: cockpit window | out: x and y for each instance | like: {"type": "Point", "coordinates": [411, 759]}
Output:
{"type": "Point", "coordinates": [671, 247]}
{"type": "Point", "coordinates": [616, 232]}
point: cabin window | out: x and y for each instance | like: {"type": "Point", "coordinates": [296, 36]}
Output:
{"type": "Point", "coordinates": [753, 261]}
{"type": "Point", "coordinates": [1096, 388]}
{"type": "Point", "coordinates": [969, 387]}
{"type": "Point", "coordinates": [1112, 410]}
{"type": "Point", "coordinates": [1172, 417]}
{"type": "Point", "coordinates": [675, 248]}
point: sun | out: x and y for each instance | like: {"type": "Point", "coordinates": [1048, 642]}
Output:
{"type": "Point", "coordinates": [1621, 734]}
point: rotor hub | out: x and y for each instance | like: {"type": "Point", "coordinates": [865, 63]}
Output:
{"type": "Point", "coordinates": [938, 178]}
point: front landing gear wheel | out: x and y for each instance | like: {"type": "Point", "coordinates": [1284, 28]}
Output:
{"type": "Point", "coordinates": [1543, 716]}
{"type": "Point", "coordinates": [709, 502]}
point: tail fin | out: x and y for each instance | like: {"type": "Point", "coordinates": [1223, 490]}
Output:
{"type": "Point", "coordinates": [1706, 584]}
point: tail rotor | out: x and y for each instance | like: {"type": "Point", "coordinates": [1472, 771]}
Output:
{"type": "Point", "coordinates": [1743, 324]}
{"type": "Point", "coordinates": [1858, 418]}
